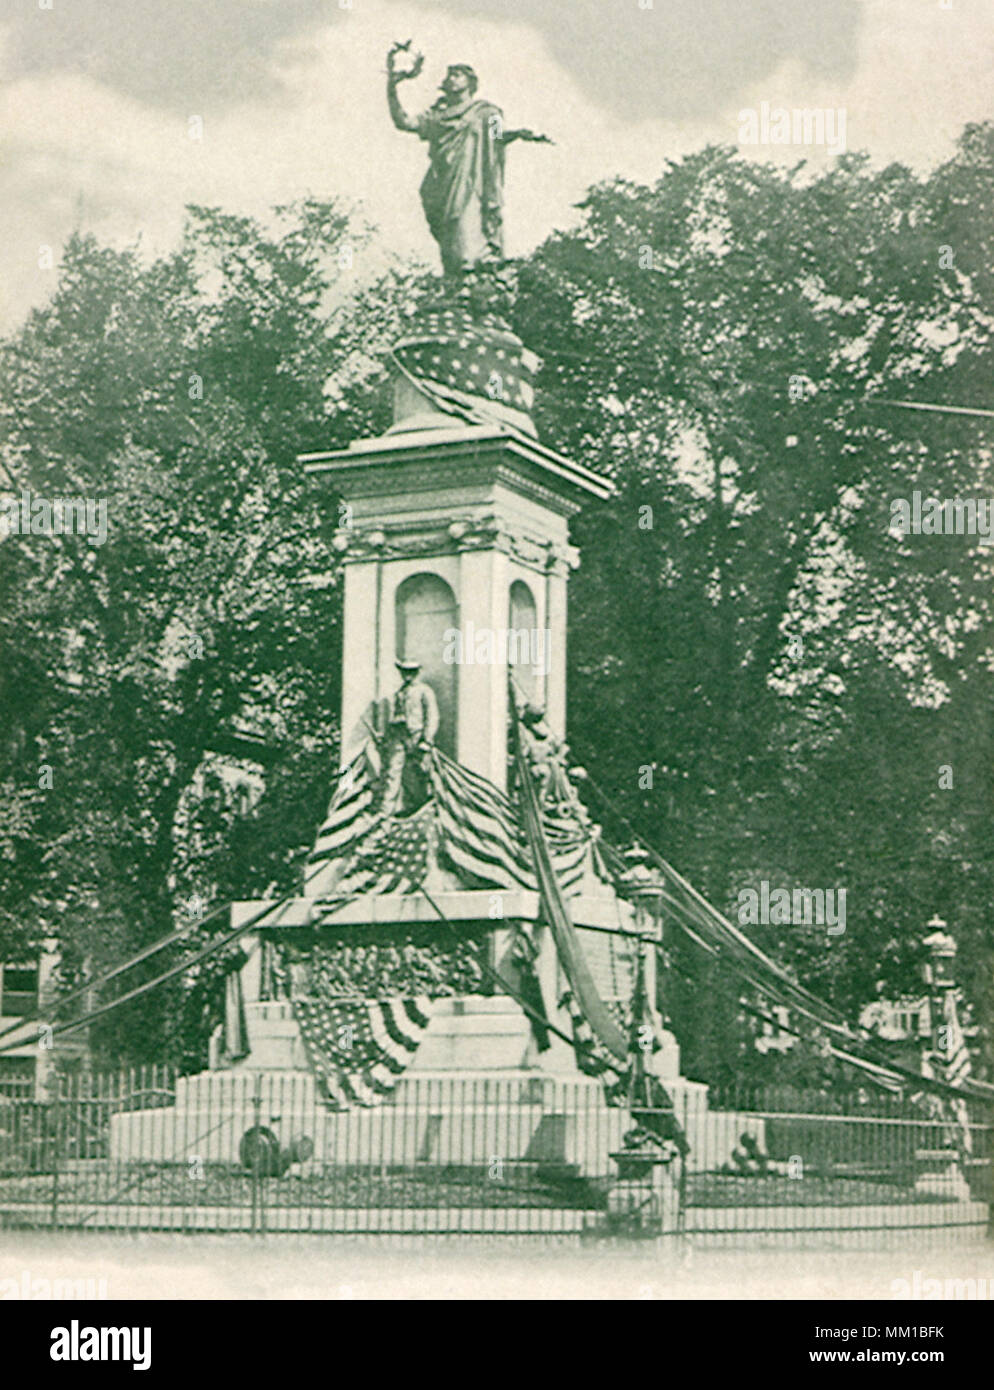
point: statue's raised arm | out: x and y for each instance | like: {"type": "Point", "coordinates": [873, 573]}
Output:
{"type": "Point", "coordinates": [397, 75]}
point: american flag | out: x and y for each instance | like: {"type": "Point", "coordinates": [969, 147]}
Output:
{"type": "Point", "coordinates": [453, 354]}
{"type": "Point", "coordinates": [360, 1049]}
{"type": "Point", "coordinates": [392, 858]}
{"type": "Point", "coordinates": [349, 817]}
{"type": "Point", "coordinates": [475, 828]}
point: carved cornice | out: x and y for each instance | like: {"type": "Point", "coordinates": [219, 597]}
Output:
{"type": "Point", "coordinates": [410, 478]}
{"type": "Point", "coordinates": [459, 457]}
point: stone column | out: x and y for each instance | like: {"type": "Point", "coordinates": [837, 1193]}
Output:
{"type": "Point", "coordinates": [482, 728]}
{"type": "Point", "coordinates": [362, 622]}
{"type": "Point", "coordinates": [555, 620]}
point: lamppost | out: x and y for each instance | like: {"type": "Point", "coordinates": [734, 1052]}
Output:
{"type": "Point", "coordinates": [941, 1169]}
{"type": "Point", "coordinates": [939, 972]}
{"type": "Point", "coordinates": [644, 886]}
{"type": "Point", "coordinates": [647, 1198]}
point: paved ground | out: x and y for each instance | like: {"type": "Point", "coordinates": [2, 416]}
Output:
{"type": "Point", "coordinates": [162, 1266]}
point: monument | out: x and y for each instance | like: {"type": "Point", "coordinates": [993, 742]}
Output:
{"type": "Point", "coordinates": [461, 920]}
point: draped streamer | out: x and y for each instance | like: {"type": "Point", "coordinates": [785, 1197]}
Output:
{"type": "Point", "coordinates": [360, 1049]}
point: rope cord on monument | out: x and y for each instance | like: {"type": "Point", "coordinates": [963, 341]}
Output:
{"type": "Point", "coordinates": [145, 954]}
{"type": "Point", "coordinates": [170, 939]}
{"type": "Point", "coordinates": [209, 950]}
{"type": "Point", "coordinates": [857, 1051]}
{"type": "Point", "coordinates": [361, 1049]}
{"type": "Point", "coordinates": [73, 1024]}
{"type": "Point", "coordinates": [716, 934]}
{"type": "Point", "coordinates": [731, 943]}
{"type": "Point", "coordinates": [854, 1050]}
{"type": "Point", "coordinates": [537, 1016]}
{"type": "Point", "coordinates": [99, 981]}
{"type": "Point", "coordinates": [885, 1076]}
{"type": "Point", "coordinates": [643, 1094]}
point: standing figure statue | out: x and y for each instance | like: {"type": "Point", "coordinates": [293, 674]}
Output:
{"type": "Point", "coordinates": [463, 190]}
{"type": "Point", "coordinates": [411, 730]}
{"type": "Point", "coordinates": [548, 759]}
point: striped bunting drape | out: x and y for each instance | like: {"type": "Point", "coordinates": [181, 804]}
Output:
{"type": "Point", "coordinates": [349, 815]}
{"type": "Point", "coordinates": [592, 1057]}
{"type": "Point", "coordinates": [568, 948]}
{"type": "Point", "coordinates": [952, 1064]}
{"type": "Point", "coordinates": [954, 1060]}
{"type": "Point", "coordinates": [478, 831]}
{"type": "Point", "coordinates": [630, 1084]}
{"type": "Point", "coordinates": [706, 926]}
{"type": "Point", "coordinates": [360, 1049]}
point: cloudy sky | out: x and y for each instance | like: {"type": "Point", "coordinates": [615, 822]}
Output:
{"type": "Point", "coordinates": [98, 95]}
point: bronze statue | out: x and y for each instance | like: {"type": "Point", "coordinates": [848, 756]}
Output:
{"type": "Point", "coordinates": [463, 191]}
{"type": "Point", "coordinates": [413, 724]}
{"type": "Point", "coordinates": [548, 760]}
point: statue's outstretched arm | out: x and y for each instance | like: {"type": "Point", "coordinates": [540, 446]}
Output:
{"type": "Point", "coordinates": [509, 136]}
{"type": "Point", "coordinates": [395, 76]}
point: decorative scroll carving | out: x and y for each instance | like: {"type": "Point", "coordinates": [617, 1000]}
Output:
{"type": "Point", "coordinates": [465, 534]}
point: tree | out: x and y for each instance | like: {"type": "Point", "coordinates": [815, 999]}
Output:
{"type": "Point", "coordinates": [180, 392]}
{"type": "Point", "coordinates": [720, 344]}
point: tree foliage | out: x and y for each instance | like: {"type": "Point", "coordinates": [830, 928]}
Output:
{"type": "Point", "coordinates": [145, 671]}
{"type": "Point", "coordinates": [794, 673]}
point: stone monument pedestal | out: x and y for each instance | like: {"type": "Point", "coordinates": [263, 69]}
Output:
{"type": "Point", "coordinates": [478, 1092]}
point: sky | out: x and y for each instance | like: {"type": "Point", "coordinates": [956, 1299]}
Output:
{"type": "Point", "coordinates": [99, 100]}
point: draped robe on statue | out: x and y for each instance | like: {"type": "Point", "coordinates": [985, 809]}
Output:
{"type": "Point", "coordinates": [463, 190]}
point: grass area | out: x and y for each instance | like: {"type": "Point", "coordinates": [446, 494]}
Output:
{"type": "Point", "coordinates": [732, 1190]}
{"type": "Point", "coordinates": [178, 1185]}
{"type": "Point", "coordinates": [227, 1185]}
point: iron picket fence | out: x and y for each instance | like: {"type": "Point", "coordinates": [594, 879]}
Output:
{"type": "Point", "coordinates": [239, 1150]}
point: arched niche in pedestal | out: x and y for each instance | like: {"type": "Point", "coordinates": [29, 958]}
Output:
{"type": "Point", "coordinates": [425, 609]}
{"type": "Point", "coordinates": [521, 647]}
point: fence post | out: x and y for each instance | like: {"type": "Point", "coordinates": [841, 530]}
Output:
{"type": "Point", "coordinates": [55, 1155]}
{"type": "Point", "coordinates": [258, 1215]}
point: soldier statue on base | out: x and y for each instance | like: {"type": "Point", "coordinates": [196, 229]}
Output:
{"type": "Point", "coordinates": [411, 729]}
